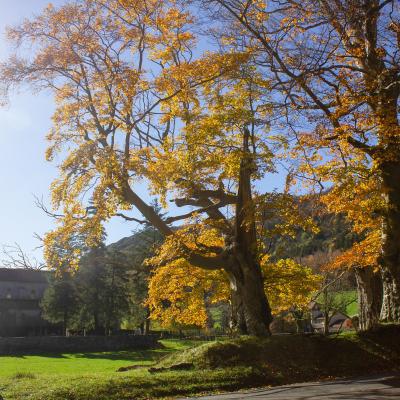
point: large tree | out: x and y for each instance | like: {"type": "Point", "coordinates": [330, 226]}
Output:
{"type": "Point", "coordinates": [182, 294]}
{"type": "Point", "coordinates": [138, 106]}
{"type": "Point", "coordinates": [336, 72]}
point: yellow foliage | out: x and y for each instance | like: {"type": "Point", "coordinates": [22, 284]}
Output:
{"type": "Point", "coordinates": [180, 293]}
{"type": "Point", "coordinates": [362, 254]}
{"type": "Point", "coordinates": [132, 103]}
{"type": "Point", "coordinates": [288, 284]}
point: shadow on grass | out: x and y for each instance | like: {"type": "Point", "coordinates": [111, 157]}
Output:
{"type": "Point", "coordinates": [139, 355]}
{"type": "Point", "coordinates": [127, 355]}
{"type": "Point", "coordinates": [171, 346]}
{"type": "Point", "coordinates": [26, 355]}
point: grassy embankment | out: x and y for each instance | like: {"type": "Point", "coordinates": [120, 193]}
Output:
{"type": "Point", "coordinates": [213, 366]}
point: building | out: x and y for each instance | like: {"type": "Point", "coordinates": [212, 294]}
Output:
{"type": "Point", "coordinates": [338, 321]}
{"type": "Point", "coordinates": [21, 291]}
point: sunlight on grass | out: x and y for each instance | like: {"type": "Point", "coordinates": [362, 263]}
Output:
{"type": "Point", "coordinates": [216, 366]}
{"type": "Point", "coordinates": [83, 363]}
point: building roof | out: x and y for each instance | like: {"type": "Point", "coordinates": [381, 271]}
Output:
{"type": "Point", "coordinates": [23, 275]}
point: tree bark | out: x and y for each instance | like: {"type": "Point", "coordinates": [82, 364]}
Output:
{"type": "Point", "coordinates": [369, 288]}
{"type": "Point", "coordinates": [250, 311]}
{"type": "Point", "coordinates": [327, 320]}
{"type": "Point", "coordinates": [237, 318]}
{"type": "Point", "coordinates": [390, 257]}
{"type": "Point", "coordinates": [237, 321]}
{"type": "Point", "coordinates": [256, 309]}
{"type": "Point", "coordinates": [247, 272]}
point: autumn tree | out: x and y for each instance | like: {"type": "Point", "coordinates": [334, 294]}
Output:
{"type": "Point", "coordinates": [332, 297]}
{"type": "Point", "coordinates": [138, 105]}
{"type": "Point", "coordinates": [289, 285]}
{"type": "Point", "coordinates": [362, 259]}
{"type": "Point", "coordinates": [336, 70]}
{"type": "Point", "coordinates": [183, 295]}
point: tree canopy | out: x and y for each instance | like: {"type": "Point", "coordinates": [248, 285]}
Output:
{"type": "Point", "coordinates": [144, 105]}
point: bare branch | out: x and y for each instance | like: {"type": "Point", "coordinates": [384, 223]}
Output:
{"type": "Point", "coordinates": [16, 257]}
{"type": "Point", "coordinates": [132, 219]}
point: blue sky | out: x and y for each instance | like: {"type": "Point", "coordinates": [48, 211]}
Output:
{"type": "Point", "coordinates": [23, 169]}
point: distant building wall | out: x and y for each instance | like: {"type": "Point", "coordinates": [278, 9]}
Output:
{"type": "Point", "coordinates": [20, 294]}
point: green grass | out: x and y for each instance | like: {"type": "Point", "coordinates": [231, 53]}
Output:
{"type": "Point", "coordinates": [84, 363]}
{"type": "Point", "coordinates": [217, 366]}
{"type": "Point", "coordinates": [348, 296]}
{"type": "Point", "coordinates": [298, 356]}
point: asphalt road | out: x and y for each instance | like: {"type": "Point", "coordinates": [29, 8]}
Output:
{"type": "Point", "coordinates": [384, 387]}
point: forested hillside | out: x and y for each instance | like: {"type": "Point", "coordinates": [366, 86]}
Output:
{"type": "Point", "coordinates": [309, 249]}
{"type": "Point", "coordinates": [334, 234]}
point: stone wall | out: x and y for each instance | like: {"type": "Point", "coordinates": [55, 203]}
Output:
{"type": "Point", "coordinates": [74, 344]}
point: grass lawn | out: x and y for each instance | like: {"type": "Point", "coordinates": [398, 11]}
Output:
{"type": "Point", "coordinates": [87, 363]}
{"type": "Point", "coordinates": [350, 296]}
{"type": "Point", "coordinates": [93, 376]}
{"type": "Point", "coordinates": [211, 367]}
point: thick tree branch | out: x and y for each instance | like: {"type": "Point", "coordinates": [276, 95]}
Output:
{"type": "Point", "coordinates": [370, 150]}
{"type": "Point", "coordinates": [201, 261]}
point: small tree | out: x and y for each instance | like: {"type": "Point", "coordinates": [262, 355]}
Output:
{"type": "Point", "coordinates": [60, 300]}
{"type": "Point", "coordinates": [139, 274]}
{"type": "Point", "coordinates": [102, 283]}
{"type": "Point", "coordinates": [332, 297]}
{"type": "Point", "coordinates": [362, 259]}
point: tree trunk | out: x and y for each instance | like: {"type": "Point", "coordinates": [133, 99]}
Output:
{"type": "Point", "coordinates": [390, 257]}
{"type": "Point", "coordinates": [369, 289]}
{"type": "Point", "coordinates": [298, 316]}
{"type": "Point", "coordinates": [237, 318]}
{"type": "Point", "coordinates": [391, 304]}
{"type": "Point", "coordinates": [326, 323]}
{"type": "Point", "coordinates": [299, 326]}
{"type": "Point", "coordinates": [65, 324]}
{"type": "Point", "coordinates": [147, 322]}
{"type": "Point", "coordinates": [248, 280]}
{"type": "Point", "coordinates": [257, 312]}
{"type": "Point", "coordinates": [97, 327]}
{"type": "Point", "coordinates": [250, 311]}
